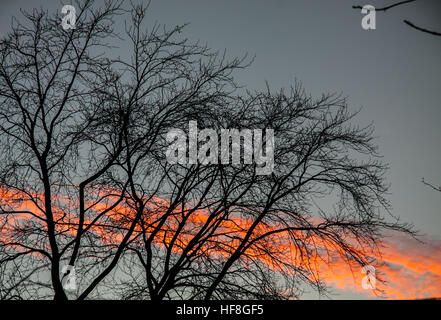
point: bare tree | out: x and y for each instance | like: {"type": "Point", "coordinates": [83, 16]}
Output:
{"type": "Point", "coordinates": [250, 236]}
{"type": "Point", "coordinates": [84, 180]}
{"type": "Point", "coordinates": [409, 23]}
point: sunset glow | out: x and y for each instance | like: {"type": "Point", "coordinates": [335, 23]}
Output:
{"type": "Point", "coordinates": [408, 268]}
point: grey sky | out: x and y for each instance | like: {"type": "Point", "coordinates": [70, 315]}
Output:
{"type": "Point", "coordinates": [393, 72]}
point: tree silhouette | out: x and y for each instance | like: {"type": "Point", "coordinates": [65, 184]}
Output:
{"type": "Point", "coordinates": [85, 182]}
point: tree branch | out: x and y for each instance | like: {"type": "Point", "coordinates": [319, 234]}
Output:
{"type": "Point", "coordinates": [421, 29]}
{"type": "Point", "coordinates": [387, 7]}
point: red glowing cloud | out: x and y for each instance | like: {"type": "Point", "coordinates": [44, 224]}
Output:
{"type": "Point", "coordinates": [410, 268]}
{"type": "Point", "coordinates": [407, 268]}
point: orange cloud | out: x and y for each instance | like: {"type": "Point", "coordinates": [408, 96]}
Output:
{"type": "Point", "coordinates": [410, 269]}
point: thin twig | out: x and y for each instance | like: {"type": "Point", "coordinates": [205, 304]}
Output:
{"type": "Point", "coordinates": [388, 7]}
{"type": "Point", "coordinates": [421, 29]}
{"type": "Point", "coordinates": [431, 185]}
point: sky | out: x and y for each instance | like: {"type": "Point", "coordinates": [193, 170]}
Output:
{"type": "Point", "coordinates": [392, 73]}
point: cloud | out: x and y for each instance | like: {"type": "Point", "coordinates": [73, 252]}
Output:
{"type": "Point", "coordinates": [406, 269]}
{"type": "Point", "coordinates": [411, 269]}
